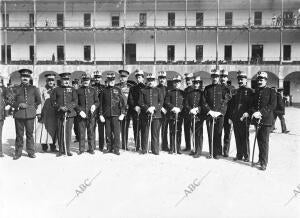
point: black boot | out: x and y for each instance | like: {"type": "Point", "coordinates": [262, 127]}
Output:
{"type": "Point", "coordinates": [53, 148]}
{"type": "Point", "coordinates": [44, 147]}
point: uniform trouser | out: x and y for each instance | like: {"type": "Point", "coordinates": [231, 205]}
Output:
{"type": "Point", "coordinates": [100, 133]}
{"type": "Point", "coordinates": [263, 143]}
{"type": "Point", "coordinates": [64, 132]}
{"type": "Point", "coordinates": [187, 131]}
{"type": "Point", "coordinates": [241, 133]}
{"type": "Point", "coordinates": [1, 127]}
{"type": "Point", "coordinates": [86, 125]}
{"type": "Point", "coordinates": [112, 133]}
{"type": "Point", "coordinates": [137, 130]}
{"type": "Point", "coordinates": [164, 133]}
{"type": "Point", "coordinates": [29, 127]}
{"type": "Point", "coordinates": [198, 136]}
{"type": "Point", "coordinates": [227, 136]}
{"type": "Point", "coordinates": [155, 128]}
{"type": "Point", "coordinates": [172, 134]}
{"type": "Point", "coordinates": [124, 131]}
{"type": "Point", "coordinates": [282, 122]}
{"type": "Point", "coordinates": [217, 147]}
{"type": "Point", "coordinates": [76, 128]}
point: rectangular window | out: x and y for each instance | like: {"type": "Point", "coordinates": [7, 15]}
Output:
{"type": "Point", "coordinates": [287, 49]}
{"type": "Point", "coordinates": [87, 52]}
{"type": "Point", "coordinates": [3, 53]}
{"type": "Point", "coordinates": [288, 18]}
{"type": "Point", "coordinates": [7, 20]}
{"type": "Point", "coordinates": [171, 52]}
{"type": "Point", "coordinates": [60, 53]}
{"type": "Point", "coordinates": [60, 20]}
{"type": "Point", "coordinates": [87, 20]}
{"type": "Point", "coordinates": [199, 52]}
{"type": "Point", "coordinates": [228, 18]}
{"type": "Point", "coordinates": [257, 18]}
{"type": "Point", "coordinates": [143, 19]}
{"type": "Point", "coordinates": [171, 19]}
{"type": "Point", "coordinates": [257, 53]}
{"type": "Point", "coordinates": [228, 52]}
{"type": "Point", "coordinates": [199, 19]}
{"type": "Point", "coordinates": [31, 20]}
{"type": "Point", "coordinates": [115, 20]}
{"type": "Point", "coordinates": [31, 52]}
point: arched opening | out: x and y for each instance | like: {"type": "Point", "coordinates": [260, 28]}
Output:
{"type": "Point", "coordinates": [205, 77]}
{"type": "Point", "coordinates": [14, 78]}
{"type": "Point", "coordinates": [291, 85]}
{"type": "Point", "coordinates": [42, 78]}
{"type": "Point", "coordinates": [273, 80]}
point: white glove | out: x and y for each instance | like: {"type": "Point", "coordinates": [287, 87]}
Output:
{"type": "Point", "coordinates": [102, 119]}
{"type": "Point", "coordinates": [164, 110]}
{"type": "Point", "coordinates": [121, 117]}
{"type": "Point", "coordinates": [257, 115]}
{"type": "Point", "coordinates": [245, 115]}
{"type": "Point", "coordinates": [217, 114]}
{"type": "Point", "coordinates": [7, 107]}
{"type": "Point", "coordinates": [151, 110]}
{"type": "Point", "coordinates": [93, 108]}
{"type": "Point", "coordinates": [176, 110]}
{"type": "Point", "coordinates": [229, 121]}
{"type": "Point", "coordinates": [82, 114]}
{"type": "Point", "coordinates": [212, 114]}
{"type": "Point", "coordinates": [137, 109]}
{"type": "Point", "coordinates": [194, 111]}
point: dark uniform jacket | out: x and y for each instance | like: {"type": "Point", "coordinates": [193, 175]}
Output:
{"type": "Point", "coordinates": [133, 97]}
{"type": "Point", "coordinates": [3, 101]}
{"type": "Point", "coordinates": [151, 97]}
{"type": "Point", "coordinates": [111, 102]}
{"type": "Point", "coordinates": [174, 98]}
{"type": "Point", "coordinates": [187, 90]}
{"type": "Point", "coordinates": [87, 96]}
{"type": "Point", "coordinates": [241, 103]}
{"type": "Point", "coordinates": [195, 99]}
{"type": "Point", "coordinates": [64, 96]}
{"type": "Point", "coordinates": [280, 107]}
{"type": "Point", "coordinates": [99, 88]}
{"type": "Point", "coordinates": [30, 95]}
{"type": "Point", "coordinates": [264, 100]}
{"type": "Point", "coordinates": [125, 92]}
{"type": "Point", "coordinates": [216, 98]}
{"type": "Point", "coordinates": [232, 91]}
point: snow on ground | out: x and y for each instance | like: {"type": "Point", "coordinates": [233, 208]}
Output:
{"type": "Point", "coordinates": [133, 185]}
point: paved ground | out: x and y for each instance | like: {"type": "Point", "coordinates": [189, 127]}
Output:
{"type": "Point", "coordinates": [132, 185]}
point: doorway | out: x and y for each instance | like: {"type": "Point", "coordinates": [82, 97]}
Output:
{"type": "Point", "coordinates": [130, 53]}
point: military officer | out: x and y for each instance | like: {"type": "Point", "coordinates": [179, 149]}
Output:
{"type": "Point", "coordinates": [134, 109]}
{"type": "Point", "coordinates": [150, 101]}
{"type": "Point", "coordinates": [174, 104]}
{"type": "Point", "coordinates": [124, 86]}
{"type": "Point", "coordinates": [264, 103]}
{"type": "Point", "coordinates": [88, 101]}
{"type": "Point", "coordinates": [279, 112]}
{"type": "Point", "coordinates": [64, 100]}
{"type": "Point", "coordinates": [215, 106]}
{"type": "Point", "coordinates": [112, 110]}
{"type": "Point", "coordinates": [49, 128]}
{"type": "Point", "coordinates": [4, 106]}
{"type": "Point", "coordinates": [75, 84]}
{"type": "Point", "coordinates": [227, 126]}
{"type": "Point", "coordinates": [27, 98]}
{"type": "Point", "coordinates": [162, 86]}
{"type": "Point", "coordinates": [187, 121]}
{"type": "Point", "coordinates": [239, 113]}
{"type": "Point", "coordinates": [99, 88]}
{"type": "Point", "coordinates": [193, 102]}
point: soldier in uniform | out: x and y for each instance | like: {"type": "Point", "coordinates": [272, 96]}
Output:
{"type": "Point", "coordinates": [134, 109]}
{"type": "Point", "coordinates": [174, 104]}
{"type": "Point", "coordinates": [151, 101]}
{"type": "Point", "coordinates": [4, 106]}
{"type": "Point", "coordinates": [112, 110]}
{"type": "Point", "coordinates": [193, 102]}
{"type": "Point", "coordinates": [215, 106]}
{"type": "Point", "coordinates": [88, 101]}
{"type": "Point", "coordinates": [99, 88]}
{"type": "Point", "coordinates": [264, 103]}
{"type": "Point", "coordinates": [279, 112]}
{"type": "Point", "coordinates": [49, 128]}
{"type": "Point", "coordinates": [75, 84]}
{"type": "Point", "coordinates": [162, 86]}
{"type": "Point", "coordinates": [239, 113]}
{"type": "Point", "coordinates": [27, 98]}
{"type": "Point", "coordinates": [227, 126]}
{"type": "Point", "coordinates": [187, 121]}
{"type": "Point", "coordinates": [124, 86]}
{"type": "Point", "coordinates": [64, 100]}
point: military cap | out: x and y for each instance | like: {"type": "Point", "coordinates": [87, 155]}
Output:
{"type": "Point", "coordinates": [223, 73]}
{"type": "Point", "coordinates": [75, 82]}
{"type": "Point", "coordinates": [188, 75]}
{"type": "Point", "coordinates": [65, 76]}
{"type": "Point", "coordinates": [25, 73]}
{"type": "Point", "coordinates": [241, 74]}
{"type": "Point", "coordinates": [85, 77]}
{"type": "Point", "coordinates": [139, 73]}
{"type": "Point", "coordinates": [162, 74]}
{"type": "Point", "coordinates": [124, 73]}
{"type": "Point", "coordinates": [111, 76]}
{"type": "Point", "coordinates": [177, 78]}
{"type": "Point", "coordinates": [150, 76]}
{"type": "Point", "coordinates": [197, 79]}
{"type": "Point", "coordinates": [262, 74]}
{"type": "Point", "coordinates": [97, 74]}
{"type": "Point", "coordinates": [215, 72]}
{"type": "Point", "coordinates": [50, 76]}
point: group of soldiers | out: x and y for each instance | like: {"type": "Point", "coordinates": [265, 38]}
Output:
{"type": "Point", "coordinates": [153, 109]}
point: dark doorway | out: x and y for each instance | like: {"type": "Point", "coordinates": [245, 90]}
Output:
{"type": "Point", "coordinates": [228, 52]}
{"type": "Point", "coordinates": [31, 20]}
{"type": "Point", "coordinates": [87, 20]}
{"type": "Point", "coordinates": [287, 52]}
{"type": "Point", "coordinates": [286, 87]}
{"type": "Point", "coordinates": [8, 56]}
{"type": "Point", "coordinates": [171, 19]}
{"type": "Point", "coordinates": [31, 52]}
{"type": "Point", "coordinates": [130, 53]}
{"type": "Point", "coordinates": [87, 52]}
{"type": "Point", "coordinates": [257, 53]}
{"type": "Point", "coordinates": [60, 20]}
{"type": "Point", "coordinates": [60, 53]}
{"type": "Point", "coordinates": [199, 52]}
{"type": "Point", "coordinates": [171, 53]}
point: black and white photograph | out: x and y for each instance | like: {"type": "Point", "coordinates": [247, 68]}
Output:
{"type": "Point", "coordinates": [150, 108]}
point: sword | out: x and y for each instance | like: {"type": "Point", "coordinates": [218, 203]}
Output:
{"type": "Point", "coordinates": [255, 137]}
{"type": "Point", "coordinates": [149, 135]}
{"type": "Point", "coordinates": [41, 133]}
{"type": "Point", "coordinates": [194, 135]}
{"type": "Point", "coordinates": [64, 132]}
{"type": "Point", "coordinates": [212, 137]}
{"type": "Point", "coordinates": [137, 131]}
{"type": "Point", "coordinates": [176, 117]}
